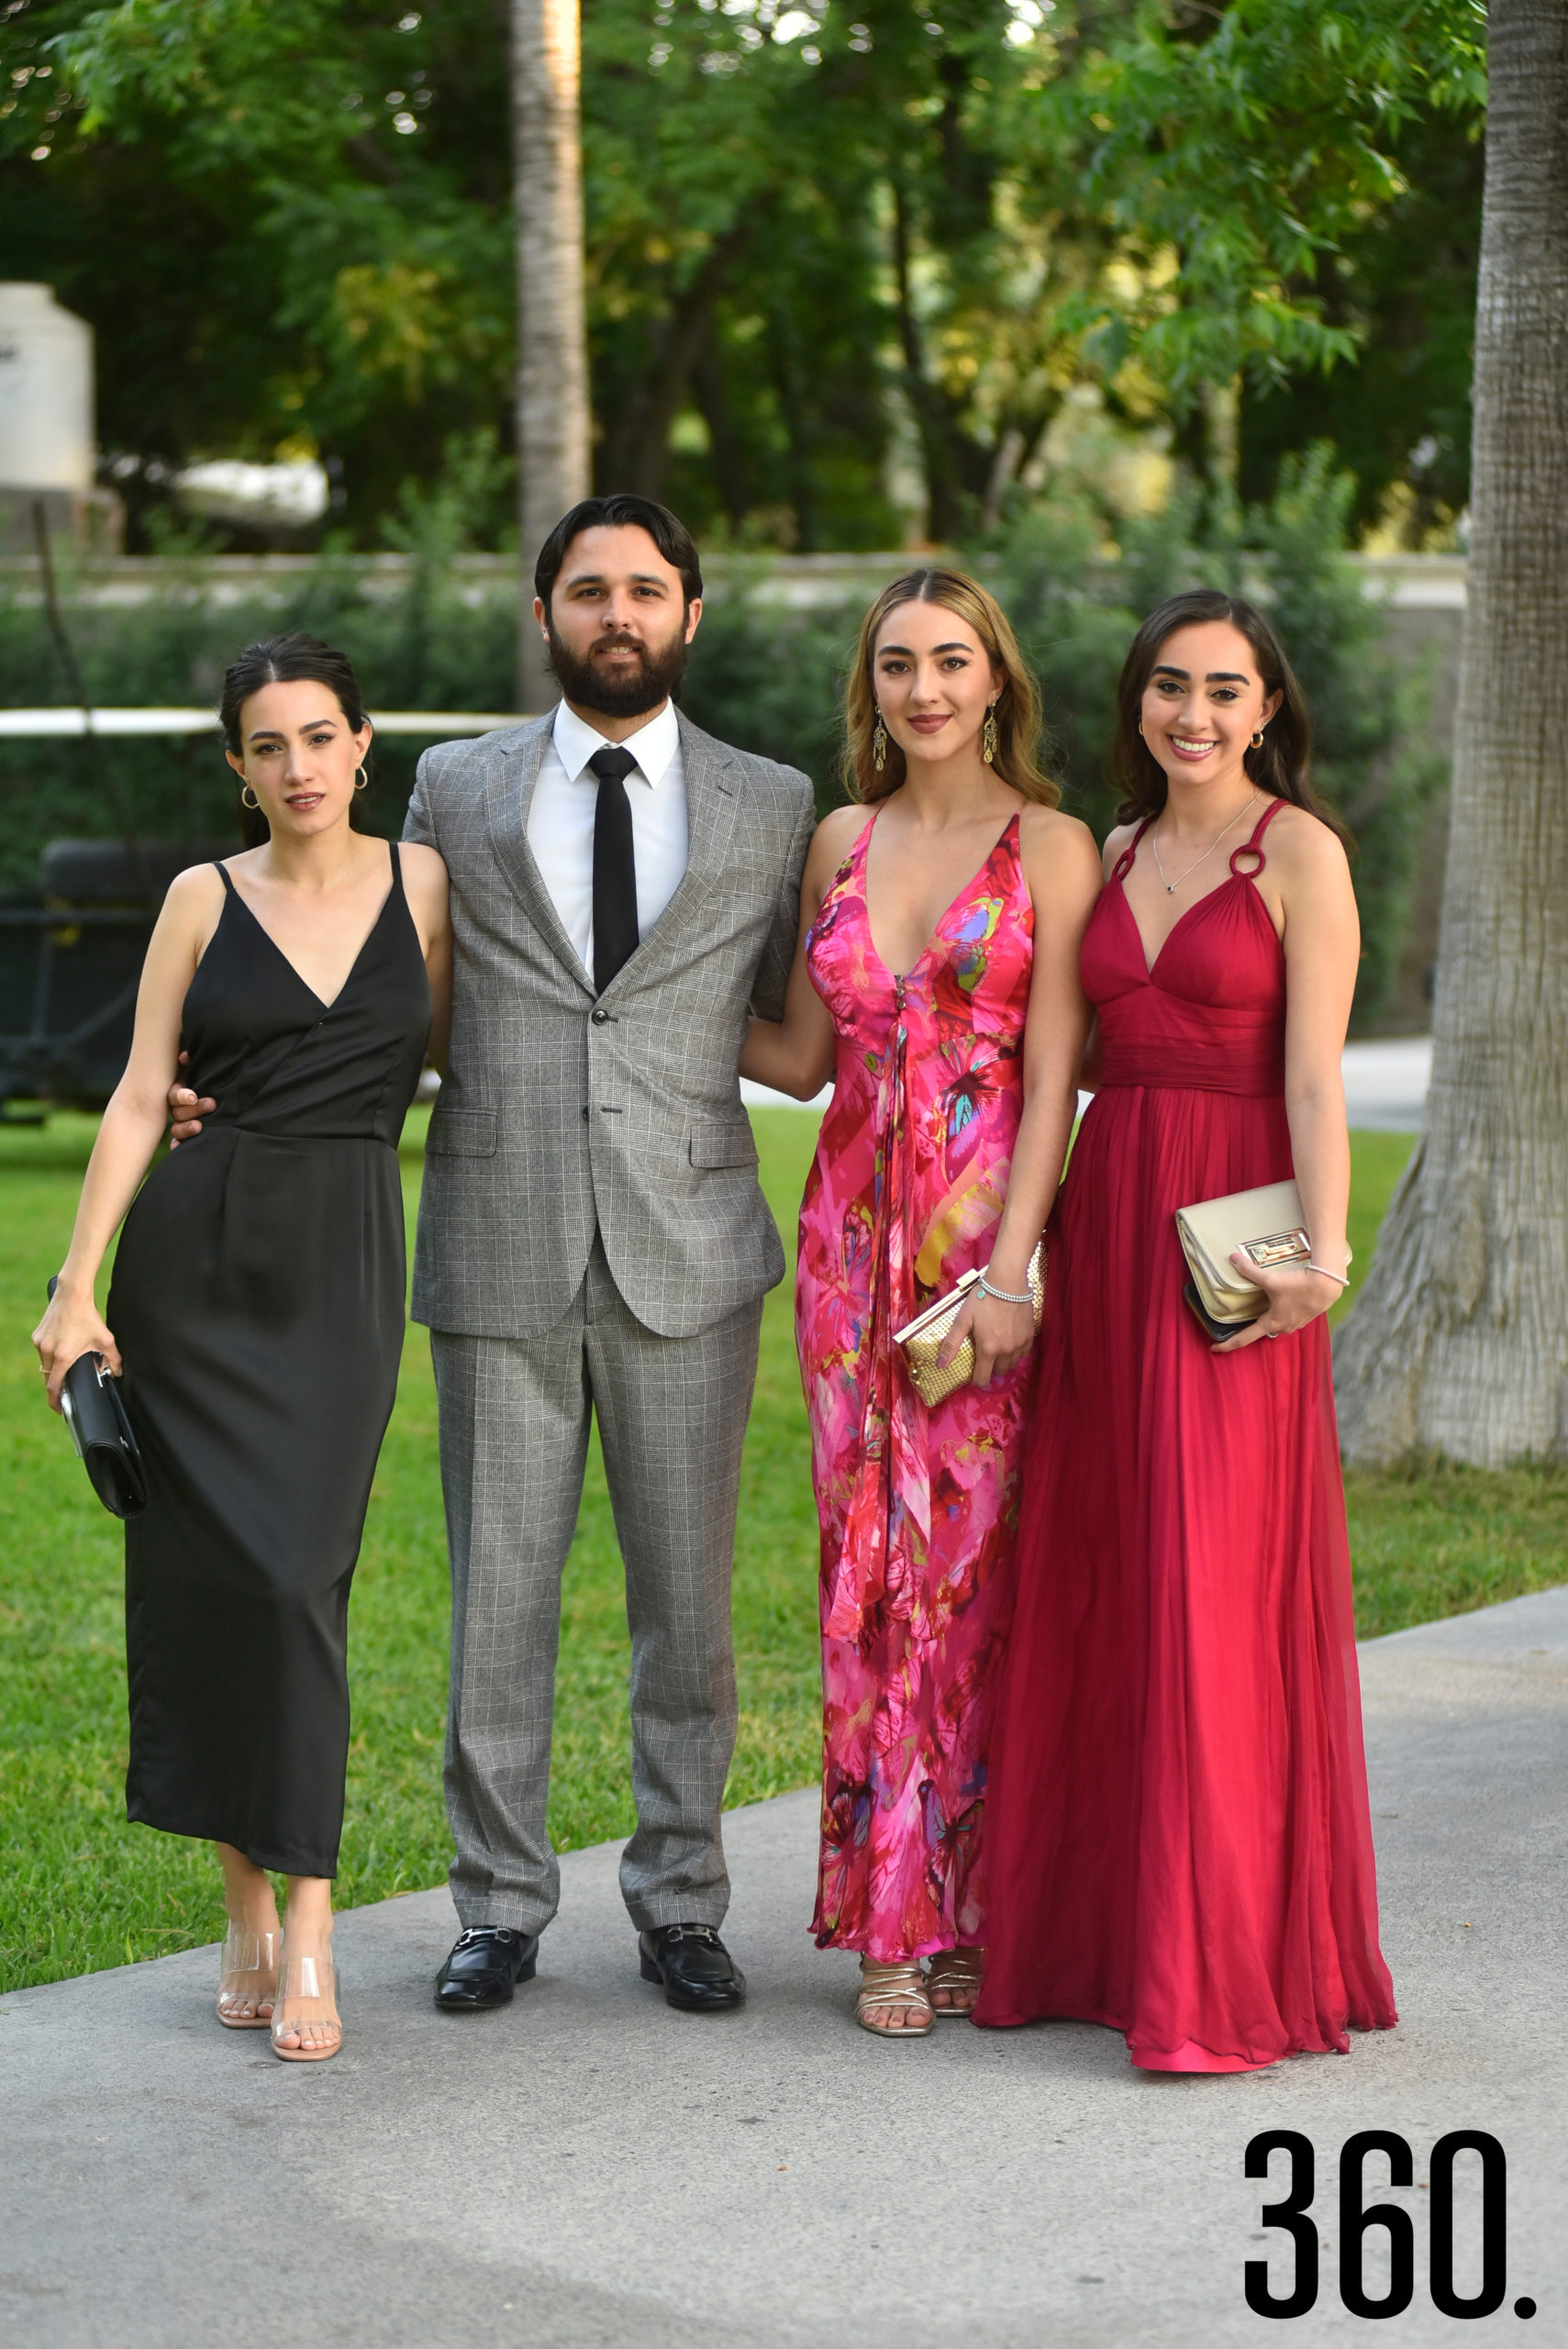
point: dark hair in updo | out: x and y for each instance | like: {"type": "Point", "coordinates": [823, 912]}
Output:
{"type": "Point", "coordinates": [1282, 763]}
{"type": "Point", "coordinates": [280, 660]}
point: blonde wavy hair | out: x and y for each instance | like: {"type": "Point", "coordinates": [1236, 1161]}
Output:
{"type": "Point", "coordinates": [1016, 711]}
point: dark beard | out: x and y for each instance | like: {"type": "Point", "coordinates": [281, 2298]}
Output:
{"type": "Point", "coordinates": [658, 673]}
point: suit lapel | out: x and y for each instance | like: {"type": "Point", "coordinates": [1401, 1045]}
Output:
{"type": "Point", "coordinates": [713, 782]}
{"type": "Point", "coordinates": [508, 797]}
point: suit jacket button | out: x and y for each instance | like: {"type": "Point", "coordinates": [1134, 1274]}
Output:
{"type": "Point", "coordinates": [598, 1018]}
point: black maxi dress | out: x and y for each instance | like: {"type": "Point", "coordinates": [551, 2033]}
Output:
{"type": "Point", "coordinates": [257, 1303]}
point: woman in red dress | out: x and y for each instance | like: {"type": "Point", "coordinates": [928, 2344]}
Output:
{"type": "Point", "coordinates": [1180, 1844]}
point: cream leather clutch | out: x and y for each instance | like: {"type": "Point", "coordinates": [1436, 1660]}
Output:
{"type": "Point", "coordinates": [1265, 1224]}
{"type": "Point", "coordinates": [921, 1338]}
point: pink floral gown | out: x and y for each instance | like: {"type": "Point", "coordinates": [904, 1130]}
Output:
{"type": "Point", "coordinates": [918, 1508]}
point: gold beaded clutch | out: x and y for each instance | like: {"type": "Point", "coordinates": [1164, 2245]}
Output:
{"type": "Point", "coordinates": [921, 1340]}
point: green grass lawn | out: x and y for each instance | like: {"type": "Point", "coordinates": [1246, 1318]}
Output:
{"type": "Point", "coordinates": [79, 1888]}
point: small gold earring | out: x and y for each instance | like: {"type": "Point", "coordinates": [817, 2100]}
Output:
{"type": "Point", "coordinates": [1257, 742]}
{"type": "Point", "coordinates": [361, 778]}
{"type": "Point", "coordinates": [1141, 726]}
{"type": "Point", "coordinates": [879, 744]}
{"type": "Point", "coordinates": [988, 739]}
{"type": "Point", "coordinates": [248, 797]}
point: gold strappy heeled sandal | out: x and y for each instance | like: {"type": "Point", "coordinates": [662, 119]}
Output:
{"type": "Point", "coordinates": [960, 1973]}
{"type": "Point", "coordinates": [245, 1983]}
{"type": "Point", "coordinates": [883, 1987]}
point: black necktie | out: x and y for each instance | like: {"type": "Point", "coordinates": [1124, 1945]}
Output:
{"type": "Point", "coordinates": [615, 867]}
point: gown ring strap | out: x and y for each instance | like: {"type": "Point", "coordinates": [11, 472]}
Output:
{"type": "Point", "coordinates": [1004, 1295]}
{"type": "Point", "coordinates": [1124, 863]}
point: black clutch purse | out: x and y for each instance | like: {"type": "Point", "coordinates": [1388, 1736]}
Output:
{"type": "Point", "coordinates": [90, 1402]}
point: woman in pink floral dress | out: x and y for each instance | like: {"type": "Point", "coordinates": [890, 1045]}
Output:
{"type": "Point", "coordinates": [953, 1023]}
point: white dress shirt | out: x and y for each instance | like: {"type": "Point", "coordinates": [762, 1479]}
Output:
{"type": "Point", "coordinates": [561, 820]}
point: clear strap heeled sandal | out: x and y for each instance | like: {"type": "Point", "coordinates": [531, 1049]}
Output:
{"type": "Point", "coordinates": [306, 2008]}
{"type": "Point", "coordinates": [247, 1978]}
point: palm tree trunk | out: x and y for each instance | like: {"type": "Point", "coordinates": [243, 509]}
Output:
{"type": "Point", "coordinates": [552, 357]}
{"type": "Point", "coordinates": [1459, 1340]}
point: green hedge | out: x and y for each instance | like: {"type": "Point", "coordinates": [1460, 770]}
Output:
{"type": "Point", "coordinates": [762, 674]}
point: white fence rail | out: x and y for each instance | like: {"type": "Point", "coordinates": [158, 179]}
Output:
{"type": "Point", "coordinates": [435, 724]}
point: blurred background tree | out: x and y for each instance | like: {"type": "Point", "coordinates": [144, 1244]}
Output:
{"type": "Point", "coordinates": [857, 274]}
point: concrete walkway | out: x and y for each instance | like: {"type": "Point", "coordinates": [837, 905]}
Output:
{"type": "Point", "coordinates": [588, 2168]}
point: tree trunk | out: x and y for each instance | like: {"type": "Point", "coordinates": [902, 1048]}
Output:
{"type": "Point", "coordinates": [636, 454]}
{"type": "Point", "coordinates": [552, 357]}
{"type": "Point", "coordinates": [1459, 1340]}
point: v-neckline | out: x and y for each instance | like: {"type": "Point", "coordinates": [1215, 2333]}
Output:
{"type": "Point", "coordinates": [979, 871]}
{"type": "Point", "coordinates": [1187, 911]}
{"type": "Point", "coordinates": [324, 1001]}
{"type": "Point", "coordinates": [1247, 879]}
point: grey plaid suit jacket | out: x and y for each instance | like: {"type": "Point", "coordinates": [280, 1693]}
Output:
{"type": "Point", "coordinates": [561, 1111]}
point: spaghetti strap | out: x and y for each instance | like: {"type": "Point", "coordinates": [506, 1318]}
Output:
{"type": "Point", "coordinates": [1252, 845]}
{"type": "Point", "coordinates": [1124, 863]}
{"type": "Point", "coordinates": [397, 890]}
{"type": "Point", "coordinates": [223, 872]}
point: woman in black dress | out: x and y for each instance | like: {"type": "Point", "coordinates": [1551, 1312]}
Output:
{"type": "Point", "coordinates": [256, 1311]}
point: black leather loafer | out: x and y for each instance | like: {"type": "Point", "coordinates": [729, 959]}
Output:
{"type": "Point", "coordinates": [486, 1963]}
{"type": "Point", "coordinates": [694, 1965]}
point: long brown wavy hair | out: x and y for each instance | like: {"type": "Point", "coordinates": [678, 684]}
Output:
{"type": "Point", "coordinates": [1016, 710]}
{"type": "Point", "coordinates": [1282, 763]}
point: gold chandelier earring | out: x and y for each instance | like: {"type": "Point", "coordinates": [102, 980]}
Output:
{"type": "Point", "coordinates": [248, 797]}
{"type": "Point", "coordinates": [879, 744]}
{"type": "Point", "coordinates": [988, 737]}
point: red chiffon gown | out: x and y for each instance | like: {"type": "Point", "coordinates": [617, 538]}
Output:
{"type": "Point", "coordinates": [1179, 1839]}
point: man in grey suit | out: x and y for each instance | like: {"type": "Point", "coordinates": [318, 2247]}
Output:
{"type": "Point", "coordinates": [593, 1238]}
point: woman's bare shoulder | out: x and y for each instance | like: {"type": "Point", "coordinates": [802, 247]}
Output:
{"type": "Point", "coordinates": [1053, 825]}
{"type": "Point", "coordinates": [1117, 841]}
{"type": "Point", "coordinates": [842, 826]}
{"type": "Point", "coordinates": [195, 896]}
{"type": "Point", "coordinates": [1303, 846]}
{"type": "Point", "coordinates": [836, 835]}
{"type": "Point", "coordinates": [423, 868]}
{"type": "Point", "coordinates": [1051, 839]}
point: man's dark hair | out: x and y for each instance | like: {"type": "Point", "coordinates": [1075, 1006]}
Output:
{"type": "Point", "coordinates": [621, 510]}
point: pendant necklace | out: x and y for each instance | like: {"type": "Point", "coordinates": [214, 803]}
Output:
{"type": "Point", "coordinates": [1170, 886]}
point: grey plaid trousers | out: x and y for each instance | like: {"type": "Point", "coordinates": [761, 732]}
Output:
{"type": "Point", "coordinates": [514, 1425]}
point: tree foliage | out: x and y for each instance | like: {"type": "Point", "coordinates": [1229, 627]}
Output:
{"type": "Point", "coordinates": [829, 241]}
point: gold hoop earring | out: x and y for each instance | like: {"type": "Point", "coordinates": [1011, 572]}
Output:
{"type": "Point", "coordinates": [988, 739]}
{"type": "Point", "coordinates": [361, 778]}
{"type": "Point", "coordinates": [248, 797]}
{"type": "Point", "coordinates": [1257, 742]}
{"type": "Point", "coordinates": [1141, 726]}
{"type": "Point", "coordinates": [879, 744]}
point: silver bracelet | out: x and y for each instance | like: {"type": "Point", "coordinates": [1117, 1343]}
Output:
{"type": "Point", "coordinates": [1343, 1278]}
{"type": "Point", "coordinates": [1005, 1296]}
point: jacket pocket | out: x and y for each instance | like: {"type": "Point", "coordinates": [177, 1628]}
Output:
{"type": "Point", "coordinates": [726, 1143]}
{"type": "Point", "coordinates": [460, 1133]}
